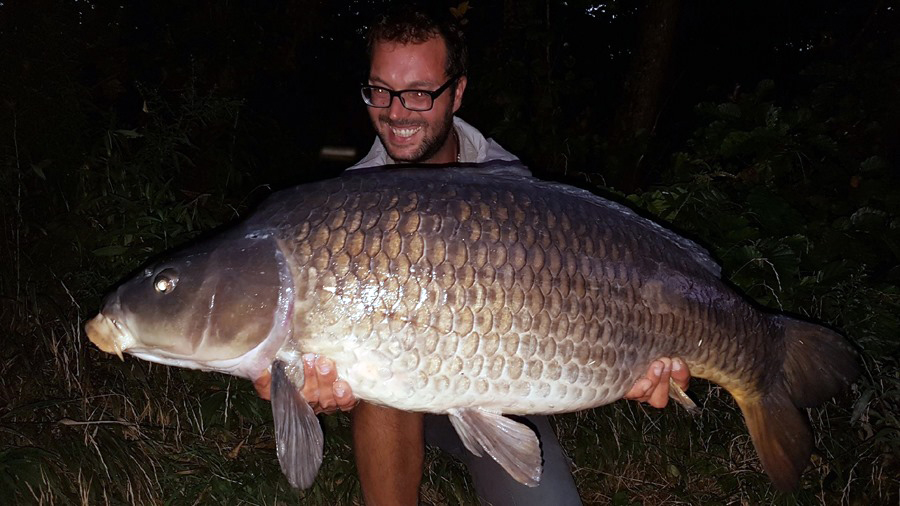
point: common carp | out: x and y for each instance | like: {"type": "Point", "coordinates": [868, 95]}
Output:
{"type": "Point", "coordinates": [475, 292]}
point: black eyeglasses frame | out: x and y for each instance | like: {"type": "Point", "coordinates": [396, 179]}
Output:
{"type": "Point", "coordinates": [399, 94]}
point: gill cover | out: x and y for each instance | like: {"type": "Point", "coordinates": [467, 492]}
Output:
{"type": "Point", "coordinates": [213, 301]}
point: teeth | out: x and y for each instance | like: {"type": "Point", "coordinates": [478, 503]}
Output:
{"type": "Point", "coordinates": [405, 132]}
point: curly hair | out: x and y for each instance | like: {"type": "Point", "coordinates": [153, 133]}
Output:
{"type": "Point", "coordinates": [415, 25]}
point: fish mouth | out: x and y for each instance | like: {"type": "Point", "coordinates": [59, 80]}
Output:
{"type": "Point", "coordinates": [108, 334]}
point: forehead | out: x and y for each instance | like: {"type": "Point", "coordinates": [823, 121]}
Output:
{"type": "Point", "coordinates": [400, 65]}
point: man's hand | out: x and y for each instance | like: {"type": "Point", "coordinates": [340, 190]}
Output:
{"type": "Point", "coordinates": [654, 388]}
{"type": "Point", "coordinates": [324, 392]}
{"type": "Point", "coordinates": [321, 388]}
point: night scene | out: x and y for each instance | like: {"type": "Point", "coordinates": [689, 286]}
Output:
{"type": "Point", "coordinates": [450, 253]}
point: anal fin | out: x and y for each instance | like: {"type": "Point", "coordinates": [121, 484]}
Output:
{"type": "Point", "coordinates": [298, 435]}
{"type": "Point", "coordinates": [681, 397]}
{"type": "Point", "coordinates": [512, 444]}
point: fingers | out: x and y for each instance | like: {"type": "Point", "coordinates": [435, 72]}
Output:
{"type": "Point", "coordinates": [659, 396]}
{"type": "Point", "coordinates": [322, 389]}
{"type": "Point", "coordinates": [640, 391]}
{"type": "Point", "coordinates": [680, 373]}
{"type": "Point", "coordinates": [343, 396]}
{"type": "Point", "coordinates": [263, 385]}
{"type": "Point", "coordinates": [654, 388]}
{"type": "Point", "coordinates": [644, 388]}
{"type": "Point", "coordinates": [325, 377]}
{"type": "Point", "coordinates": [310, 380]}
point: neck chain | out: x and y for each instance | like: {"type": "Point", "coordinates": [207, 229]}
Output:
{"type": "Point", "coordinates": [458, 152]}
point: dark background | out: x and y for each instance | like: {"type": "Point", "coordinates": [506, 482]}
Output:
{"type": "Point", "coordinates": [562, 84]}
{"type": "Point", "coordinates": [766, 130]}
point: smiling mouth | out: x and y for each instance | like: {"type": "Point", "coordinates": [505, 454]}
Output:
{"type": "Point", "coordinates": [405, 132]}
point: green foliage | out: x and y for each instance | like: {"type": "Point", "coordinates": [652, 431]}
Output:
{"type": "Point", "coordinates": [782, 207]}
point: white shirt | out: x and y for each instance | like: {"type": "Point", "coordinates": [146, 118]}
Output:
{"type": "Point", "coordinates": [473, 148]}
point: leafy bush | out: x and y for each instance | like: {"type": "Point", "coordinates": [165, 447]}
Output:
{"type": "Point", "coordinates": [802, 227]}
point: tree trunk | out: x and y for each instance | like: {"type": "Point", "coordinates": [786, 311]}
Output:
{"type": "Point", "coordinates": [646, 81]}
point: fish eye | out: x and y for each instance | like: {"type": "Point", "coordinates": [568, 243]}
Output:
{"type": "Point", "coordinates": [165, 281]}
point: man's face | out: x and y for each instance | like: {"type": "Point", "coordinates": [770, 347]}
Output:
{"type": "Point", "coordinates": [415, 136]}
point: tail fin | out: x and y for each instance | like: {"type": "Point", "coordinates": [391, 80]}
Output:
{"type": "Point", "coordinates": [818, 363]}
{"type": "Point", "coordinates": [781, 435]}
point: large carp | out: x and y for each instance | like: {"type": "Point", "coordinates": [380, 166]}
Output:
{"type": "Point", "coordinates": [475, 292]}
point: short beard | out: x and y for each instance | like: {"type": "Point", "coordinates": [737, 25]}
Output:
{"type": "Point", "coordinates": [430, 145]}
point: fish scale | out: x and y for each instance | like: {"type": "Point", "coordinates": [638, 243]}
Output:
{"type": "Point", "coordinates": [432, 254]}
{"type": "Point", "coordinates": [475, 292]}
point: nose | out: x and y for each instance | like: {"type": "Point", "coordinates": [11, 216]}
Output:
{"type": "Point", "coordinates": [396, 110]}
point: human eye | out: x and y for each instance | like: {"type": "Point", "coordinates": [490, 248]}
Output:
{"type": "Point", "coordinates": [417, 100]}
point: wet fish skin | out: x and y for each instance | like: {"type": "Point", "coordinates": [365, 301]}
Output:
{"type": "Point", "coordinates": [474, 293]}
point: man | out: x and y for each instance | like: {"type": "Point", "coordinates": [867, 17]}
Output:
{"type": "Point", "coordinates": [417, 78]}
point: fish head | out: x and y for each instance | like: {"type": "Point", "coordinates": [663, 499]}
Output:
{"type": "Point", "coordinates": [219, 305]}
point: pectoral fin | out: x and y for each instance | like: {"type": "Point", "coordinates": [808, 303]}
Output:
{"type": "Point", "coordinates": [675, 392]}
{"type": "Point", "coordinates": [298, 435]}
{"type": "Point", "coordinates": [512, 444]}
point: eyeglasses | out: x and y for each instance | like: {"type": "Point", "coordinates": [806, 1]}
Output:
{"type": "Point", "coordinates": [414, 100]}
